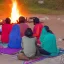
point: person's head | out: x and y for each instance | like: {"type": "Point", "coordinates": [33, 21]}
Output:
{"type": "Point", "coordinates": [36, 20]}
{"type": "Point", "coordinates": [7, 20]}
{"type": "Point", "coordinates": [48, 29]}
{"type": "Point", "coordinates": [21, 19]}
{"type": "Point", "coordinates": [29, 33]}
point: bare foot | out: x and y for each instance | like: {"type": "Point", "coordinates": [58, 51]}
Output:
{"type": "Point", "coordinates": [21, 56]}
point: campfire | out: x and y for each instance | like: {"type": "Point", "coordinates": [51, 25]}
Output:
{"type": "Point", "coordinates": [15, 12]}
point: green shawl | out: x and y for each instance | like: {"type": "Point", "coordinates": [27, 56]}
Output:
{"type": "Point", "coordinates": [48, 42]}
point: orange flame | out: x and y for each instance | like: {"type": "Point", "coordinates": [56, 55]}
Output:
{"type": "Point", "coordinates": [15, 12]}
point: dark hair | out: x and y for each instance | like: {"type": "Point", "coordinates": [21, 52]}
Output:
{"type": "Point", "coordinates": [21, 19]}
{"type": "Point", "coordinates": [48, 29]}
{"type": "Point", "coordinates": [36, 20]}
{"type": "Point", "coordinates": [7, 20]}
{"type": "Point", "coordinates": [29, 33]}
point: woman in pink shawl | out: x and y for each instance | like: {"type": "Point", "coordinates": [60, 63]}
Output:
{"type": "Point", "coordinates": [23, 26]}
{"type": "Point", "coordinates": [37, 29]}
{"type": "Point", "coordinates": [6, 28]}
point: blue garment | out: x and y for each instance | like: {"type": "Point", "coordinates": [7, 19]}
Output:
{"type": "Point", "coordinates": [15, 37]}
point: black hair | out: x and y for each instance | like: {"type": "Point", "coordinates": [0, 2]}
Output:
{"type": "Point", "coordinates": [63, 39]}
{"type": "Point", "coordinates": [48, 29]}
{"type": "Point", "coordinates": [21, 19]}
{"type": "Point", "coordinates": [29, 33]}
{"type": "Point", "coordinates": [7, 20]}
{"type": "Point", "coordinates": [36, 20]}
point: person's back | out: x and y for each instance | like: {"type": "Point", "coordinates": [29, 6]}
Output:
{"type": "Point", "coordinates": [6, 29]}
{"type": "Point", "coordinates": [37, 29]}
{"type": "Point", "coordinates": [29, 46]}
{"type": "Point", "coordinates": [14, 37]}
{"type": "Point", "coordinates": [48, 42]}
{"type": "Point", "coordinates": [23, 26]}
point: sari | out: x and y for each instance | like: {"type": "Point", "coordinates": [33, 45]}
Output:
{"type": "Point", "coordinates": [15, 37]}
{"type": "Point", "coordinates": [6, 29]}
{"type": "Point", "coordinates": [48, 42]}
{"type": "Point", "coordinates": [37, 31]}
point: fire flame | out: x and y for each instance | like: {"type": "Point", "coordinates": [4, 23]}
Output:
{"type": "Point", "coordinates": [15, 12]}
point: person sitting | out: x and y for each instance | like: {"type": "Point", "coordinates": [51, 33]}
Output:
{"type": "Point", "coordinates": [14, 37]}
{"type": "Point", "coordinates": [37, 28]}
{"type": "Point", "coordinates": [29, 46]}
{"type": "Point", "coordinates": [48, 41]}
{"type": "Point", "coordinates": [23, 26]}
{"type": "Point", "coordinates": [6, 29]}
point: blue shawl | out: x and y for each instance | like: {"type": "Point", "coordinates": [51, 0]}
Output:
{"type": "Point", "coordinates": [15, 37]}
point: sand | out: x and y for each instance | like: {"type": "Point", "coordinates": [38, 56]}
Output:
{"type": "Point", "coordinates": [56, 24]}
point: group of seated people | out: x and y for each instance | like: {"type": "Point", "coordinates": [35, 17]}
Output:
{"type": "Point", "coordinates": [40, 40]}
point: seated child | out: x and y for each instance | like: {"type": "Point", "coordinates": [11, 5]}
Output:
{"type": "Point", "coordinates": [28, 45]}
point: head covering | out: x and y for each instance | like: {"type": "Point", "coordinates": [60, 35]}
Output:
{"type": "Point", "coordinates": [48, 42]}
{"type": "Point", "coordinates": [47, 29]}
{"type": "Point", "coordinates": [15, 37]}
{"type": "Point", "coordinates": [43, 33]}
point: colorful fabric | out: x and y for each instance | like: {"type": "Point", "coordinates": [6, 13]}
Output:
{"type": "Point", "coordinates": [23, 27]}
{"type": "Point", "coordinates": [0, 28]}
{"type": "Point", "coordinates": [37, 30]}
{"type": "Point", "coordinates": [41, 58]}
{"type": "Point", "coordinates": [9, 51]}
{"type": "Point", "coordinates": [15, 38]}
{"type": "Point", "coordinates": [34, 60]}
{"type": "Point", "coordinates": [48, 42]}
{"type": "Point", "coordinates": [4, 45]}
{"type": "Point", "coordinates": [6, 29]}
{"type": "Point", "coordinates": [1, 46]}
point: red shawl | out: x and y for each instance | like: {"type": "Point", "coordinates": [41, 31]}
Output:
{"type": "Point", "coordinates": [37, 31]}
{"type": "Point", "coordinates": [6, 28]}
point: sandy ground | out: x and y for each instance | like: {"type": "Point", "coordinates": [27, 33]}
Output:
{"type": "Point", "coordinates": [56, 24]}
